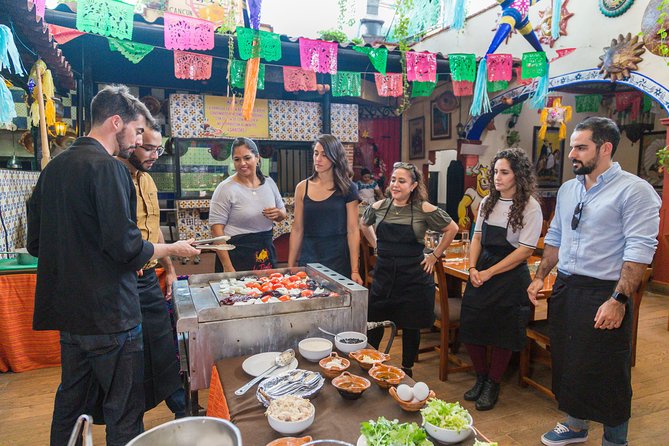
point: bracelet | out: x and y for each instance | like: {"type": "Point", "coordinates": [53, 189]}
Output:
{"type": "Point", "coordinates": [435, 256]}
{"type": "Point", "coordinates": [471, 268]}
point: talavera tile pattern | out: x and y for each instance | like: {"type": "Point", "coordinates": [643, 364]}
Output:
{"type": "Point", "coordinates": [344, 119]}
{"type": "Point", "coordinates": [294, 120]}
{"type": "Point", "coordinates": [15, 189]}
{"type": "Point", "coordinates": [187, 115]}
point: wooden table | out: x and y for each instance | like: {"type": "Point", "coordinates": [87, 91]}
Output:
{"type": "Point", "coordinates": [336, 418]}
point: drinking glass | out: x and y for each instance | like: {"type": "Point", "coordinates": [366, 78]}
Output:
{"type": "Point", "coordinates": [464, 238]}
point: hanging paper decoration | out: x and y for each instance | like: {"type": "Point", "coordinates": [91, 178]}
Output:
{"type": "Point", "coordinates": [132, 51]}
{"type": "Point", "coordinates": [540, 94]}
{"type": "Point", "coordinates": [9, 52]}
{"type": "Point", "coordinates": [296, 79]}
{"type": "Point", "coordinates": [238, 74]}
{"type": "Point", "coordinates": [424, 16]}
{"type": "Point", "coordinates": [7, 108]}
{"type": "Point", "coordinates": [377, 56]}
{"type": "Point", "coordinates": [519, 77]}
{"type": "Point", "coordinates": [534, 64]}
{"type": "Point", "coordinates": [192, 66]}
{"type": "Point", "coordinates": [515, 109]}
{"type": "Point", "coordinates": [422, 88]}
{"type": "Point", "coordinates": [112, 18]}
{"type": "Point", "coordinates": [455, 9]}
{"type": "Point", "coordinates": [318, 56]}
{"type": "Point", "coordinates": [40, 7]}
{"type": "Point", "coordinates": [62, 34]}
{"type": "Point", "coordinates": [481, 101]}
{"type": "Point", "coordinates": [250, 87]}
{"type": "Point", "coordinates": [629, 100]}
{"type": "Point", "coordinates": [463, 67]}
{"type": "Point", "coordinates": [188, 33]}
{"type": "Point", "coordinates": [346, 83]}
{"type": "Point", "coordinates": [254, 12]}
{"type": "Point", "coordinates": [269, 47]}
{"type": "Point", "coordinates": [463, 88]}
{"type": "Point", "coordinates": [556, 115]}
{"type": "Point", "coordinates": [497, 86]}
{"type": "Point", "coordinates": [48, 92]}
{"type": "Point", "coordinates": [560, 53]}
{"type": "Point", "coordinates": [500, 67]}
{"type": "Point", "coordinates": [390, 85]}
{"type": "Point", "coordinates": [588, 103]}
{"type": "Point", "coordinates": [421, 67]}
{"type": "Point", "coordinates": [647, 104]}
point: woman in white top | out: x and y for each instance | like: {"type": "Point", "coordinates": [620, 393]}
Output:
{"type": "Point", "coordinates": [495, 306]}
{"type": "Point", "coordinates": [244, 207]}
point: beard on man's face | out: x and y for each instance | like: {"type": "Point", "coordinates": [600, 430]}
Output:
{"type": "Point", "coordinates": [124, 150]}
{"type": "Point", "coordinates": [137, 164]}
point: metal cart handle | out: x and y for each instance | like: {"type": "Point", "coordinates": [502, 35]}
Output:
{"type": "Point", "coordinates": [393, 331]}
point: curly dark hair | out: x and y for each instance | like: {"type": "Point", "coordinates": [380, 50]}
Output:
{"type": "Point", "coordinates": [526, 186]}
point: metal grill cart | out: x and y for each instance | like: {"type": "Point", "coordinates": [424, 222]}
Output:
{"type": "Point", "coordinates": [208, 331]}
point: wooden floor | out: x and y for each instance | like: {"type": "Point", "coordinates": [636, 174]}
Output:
{"type": "Point", "coordinates": [520, 417]}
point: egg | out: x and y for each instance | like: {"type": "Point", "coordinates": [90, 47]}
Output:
{"type": "Point", "coordinates": [421, 391]}
{"type": "Point", "coordinates": [404, 392]}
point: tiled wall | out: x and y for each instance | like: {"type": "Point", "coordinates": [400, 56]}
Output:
{"type": "Point", "coordinates": [15, 188]}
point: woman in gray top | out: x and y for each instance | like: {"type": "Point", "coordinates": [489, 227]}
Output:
{"type": "Point", "coordinates": [244, 207]}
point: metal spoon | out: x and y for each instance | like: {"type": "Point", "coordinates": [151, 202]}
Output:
{"type": "Point", "coordinates": [328, 333]}
{"type": "Point", "coordinates": [305, 383]}
{"type": "Point", "coordinates": [282, 360]}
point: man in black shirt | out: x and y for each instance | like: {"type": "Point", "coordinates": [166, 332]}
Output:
{"type": "Point", "coordinates": [81, 225]}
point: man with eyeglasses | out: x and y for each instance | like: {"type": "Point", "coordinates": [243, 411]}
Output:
{"type": "Point", "coordinates": [161, 369]}
{"type": "Point", "coordinates": [602, 238]}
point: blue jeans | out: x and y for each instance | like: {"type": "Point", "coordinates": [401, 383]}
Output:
{"type": "Point", "coordinates": [613, 435]}
{"type": "Point", "coordinates": [177, 403]}
{"type": "Point", "coordinates": [116, 362]}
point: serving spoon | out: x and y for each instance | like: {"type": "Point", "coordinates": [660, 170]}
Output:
{"type": "Point", "coordinates": [282, 360]}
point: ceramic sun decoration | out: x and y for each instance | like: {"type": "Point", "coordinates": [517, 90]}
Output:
{"type": "Point", "coordinates": [621, 57]}
{"type": "Point", "coordinates": [556, 115]}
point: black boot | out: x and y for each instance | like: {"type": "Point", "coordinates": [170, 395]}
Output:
{"type": "Point", "coordinates": [489, 395]}
{"type": "Point", "coordinates": [475, 392]}
{"type": "Point", "coordinates": [408, 371]}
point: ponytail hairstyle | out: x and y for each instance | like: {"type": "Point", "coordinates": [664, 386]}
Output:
{"type": "Point", "coordinates": [239, 142]}
{"type": "Point", "coordinates": [334, 151]}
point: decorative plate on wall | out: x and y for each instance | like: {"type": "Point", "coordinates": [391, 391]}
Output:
{"type": "Point", "coordinates": [614, 8]}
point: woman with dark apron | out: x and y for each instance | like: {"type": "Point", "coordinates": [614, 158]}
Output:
{"type": "Point", "coordinates": [244, 206]}
{"type": "Point", "coordinates": [403, 287]}
{"type": "Point", "coordinates": [495, 307]}
{"type": "Point", "coordinates": [325, 228]}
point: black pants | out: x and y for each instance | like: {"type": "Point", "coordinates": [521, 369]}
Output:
{"type": "Point", "coordinates": [116, 362]}
{"type": "Point", "coordinates": [410, 343]}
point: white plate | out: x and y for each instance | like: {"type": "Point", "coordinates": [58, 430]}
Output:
{"type": "Point", "coordinates": [257, 364]}
{"type": "Point", "coordinates": [362, 441]}
{"type": "Point", "coordinates": [221, 247]}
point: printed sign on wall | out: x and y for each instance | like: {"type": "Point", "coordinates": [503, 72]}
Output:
{"type": "Point", "coordinates": [222, 120]}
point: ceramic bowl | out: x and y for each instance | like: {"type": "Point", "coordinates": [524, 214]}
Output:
{"type": "Point", "coordinates": [410, 406]}
{"type": "Point", "coordinates": [292, 427]}
{"type": "Point", "coordinates": [348, 347]}
{"type": "Point", "coordinates": [386, 375]}
{"type": "Point", "coordinates": [368, 357]}
{"type": "Point", "coordinates": [314, 349]}
{"type": "Point", "coordinates": [290, 441]}
{"type": "Point", "coordinates": [351, 386]}
{"type": "Point", "coordinates": [448, 436]}
{"type": "Point", "coordinates": [332, 371]}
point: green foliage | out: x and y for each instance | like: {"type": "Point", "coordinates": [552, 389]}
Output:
{"type": "Point", "coordinates": [333, 35]}
{"type": "Point", "coordinates": [663, 157]}
{"type": "Point", "coordinates": [663, 48]}
{"type": "Point", "coordinates": [346, 11]}
{"type": "Point", "coordinates": [357, 41]}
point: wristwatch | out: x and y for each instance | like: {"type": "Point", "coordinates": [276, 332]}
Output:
{"type": "Point", "coordinates": [620, 297]}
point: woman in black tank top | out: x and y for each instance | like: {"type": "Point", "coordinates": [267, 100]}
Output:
{"type": "Point", "coordinates": [325, 229]}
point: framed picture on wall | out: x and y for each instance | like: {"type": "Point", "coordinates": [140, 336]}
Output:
{"type": "Point", "coordinates": [440, 123]}
{"type": "Point", "coordinates": [547, 157]}
{"type": "Point", "coordinates": [417, 138]}
{"type": "Point", "coordinates": [648, 165]}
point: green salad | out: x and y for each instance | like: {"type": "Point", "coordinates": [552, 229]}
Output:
{"type": "Point", "coordinates": [383, 432]}
{"type": "Point", "coordinates": [445, 415]}
{"type": "Point", "coordinates": [484, 443]}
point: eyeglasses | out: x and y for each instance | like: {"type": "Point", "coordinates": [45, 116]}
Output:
{"type": "Point", "coordinates": [407, 166]}
{"type": "Point", "coordinates": [159, 150]}
{"type": "Point", "coordinates": [576, 218]}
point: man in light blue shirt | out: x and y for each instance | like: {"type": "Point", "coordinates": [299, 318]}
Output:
{"type": "Point", "coordinates": [602, 238]}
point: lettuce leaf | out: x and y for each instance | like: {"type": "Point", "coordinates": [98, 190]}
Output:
{"type": "Point", "coordinates": [383, 432]}
{"type": "Point", "coordinates": [445, 415]}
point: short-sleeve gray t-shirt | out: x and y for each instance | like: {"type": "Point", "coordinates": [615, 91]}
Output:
{"type": "Point", "coordinates": [240, 208]}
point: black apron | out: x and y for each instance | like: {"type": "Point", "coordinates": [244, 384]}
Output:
{"type": "Point", "coordinates": [402, 291]}
{"type": "Point", "coordinates": [591, 367]}
{"type": "Point", "coordinates": [330, 251]}
{"type": "Point", "coordinates": [252, 251]}
{"type": "Point", "coordinates": [497, 312]}
{"type": "Point", "coordinates": [161, 367]}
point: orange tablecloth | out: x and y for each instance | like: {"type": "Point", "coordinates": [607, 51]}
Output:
{"type": "Point", "coordinates": [22, 348]}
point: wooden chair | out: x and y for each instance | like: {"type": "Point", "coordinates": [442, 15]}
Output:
{"type": "Point", "coordinates": [368, 261]}
{"type": "Point", "coordinates": [447, 311]}
{"type": "Point", "coordinates": [537, 336]}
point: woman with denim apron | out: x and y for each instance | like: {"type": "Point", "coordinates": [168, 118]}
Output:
{"type": "Point", "coordinates": [495, 307]}
{"type": "Point", "coordinates": [244, 206]}
{"type": "Point", "coordinates": [403, 287]}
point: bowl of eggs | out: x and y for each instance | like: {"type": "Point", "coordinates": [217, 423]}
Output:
{"type": "Point", "coordinates": [411, 399]}
{"type": "Point", "coordinates": [386, 375]}
{"type": "Point", "coordinates": [333, 365]}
